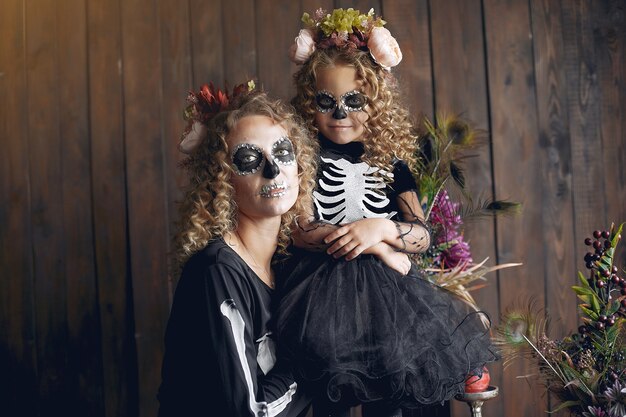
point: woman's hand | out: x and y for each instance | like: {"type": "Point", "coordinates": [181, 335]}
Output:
{"type": "Point", "coordinates": [354, 238]}
{"type": "Point", "coordinates": [395, 260]}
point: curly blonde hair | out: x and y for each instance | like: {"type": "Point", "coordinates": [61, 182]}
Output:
{"type": "Point", "coordinates": [208, 211]}
{"type": "Point", "coordinates": [388, 130]}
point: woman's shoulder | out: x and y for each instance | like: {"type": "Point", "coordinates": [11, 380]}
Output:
{"type": "Point", "coordinates": [215, 271]}
{"type": "Point", "coordinates": [215, 258]}
{"type": "Point", "coordinates": [215, 253]}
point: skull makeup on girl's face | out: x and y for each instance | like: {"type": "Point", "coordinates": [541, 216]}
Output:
{"type": "Point", "coordinates": [341, 104]}
{"type": "Point", "coordinates": [351, 101]}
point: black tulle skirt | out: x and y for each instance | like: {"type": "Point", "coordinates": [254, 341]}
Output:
{"type": "Point", "coordinates": [362, 332]}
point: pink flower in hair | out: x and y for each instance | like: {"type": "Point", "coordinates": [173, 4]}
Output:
{"type": "Point", "coordinates": [192, 136]}
{"type": "Point", "coordinates": [303, 47]}
{"type": "Point", "coordinates": [384, 48]}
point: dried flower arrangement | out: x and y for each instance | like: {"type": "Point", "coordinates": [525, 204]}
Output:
{"type": "Point", "coordinates": [586, 370]}
{"type": "Point", "coordinates": [443, 147]}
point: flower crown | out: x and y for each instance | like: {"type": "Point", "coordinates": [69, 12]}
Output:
{"type": "Point", "coordinates": [346, 29]}
{"type": "Point", "coordinates": [203, 106]}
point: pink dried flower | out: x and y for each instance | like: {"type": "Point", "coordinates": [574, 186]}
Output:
{"type": "Point", "coordinates": [320, 13]}
{"type": "Point", "coordinates": [444, 212]}
{"type": "Point", "coordinates": [303, 46]}
{"type": "Point", "coordinates": [457, 254]}
{"type": "Point", "coordinates": [384, 48]}
{"type": "Point", "coordinates": [594, 412]}
{"type": "Point", "coordinates": [444, 217]}
{"type": "Point", "coordinates": [192, 137]}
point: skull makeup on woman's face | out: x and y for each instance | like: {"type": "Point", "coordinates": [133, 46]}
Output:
{"type": "Point", "coordinates": [248, 158]}
{"type": "Point", "coordinates": [263, 159]}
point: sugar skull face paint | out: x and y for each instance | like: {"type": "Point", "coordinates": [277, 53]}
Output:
{"type": "Point", "coordinates": [265, 170]}
{"type": "Point", "coordinates": [351, 101]}
{"type": "Point", "coordinates": [274, 190]}
{"type": "Point", "coordinates": [282, 151]}
{"type": "Point", "coordinates": [340, 120]}
{"type": "Point", "coordinates": [248, 158]}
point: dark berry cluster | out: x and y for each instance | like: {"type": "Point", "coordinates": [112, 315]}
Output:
{"type": "Point", "coordinates": [610, 289]}
{"type": "Point", "coordinates": [616, 371]}
{"type": "Point", "coordinates": [587, 370]}
{"type": "Point", "coordinates": [585, 355]}
{"type": "Point", "coordinates": [602, 276]}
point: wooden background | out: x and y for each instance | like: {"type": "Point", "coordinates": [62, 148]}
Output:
{"type": "Point", "coordinates": [91, 94]}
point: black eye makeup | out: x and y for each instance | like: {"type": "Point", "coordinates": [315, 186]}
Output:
{"type": "Point", "coordinates": [282, 151]}
{"type": "Point", "coordinates": [354, 101]}
{"type": "Point", "coordinates": [325, 102]}
{"type": "Point", "coordinates": [351, 101]}
{"type": "Point", "coordinates": [248, 158]}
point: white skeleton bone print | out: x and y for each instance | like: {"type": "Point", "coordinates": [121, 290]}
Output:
{"type": "Point", "coordinates": [238, 328]}
{"type": "Point", "coordinates": [353, 185]}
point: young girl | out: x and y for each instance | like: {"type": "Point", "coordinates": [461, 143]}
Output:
{"type": "Point", "coordinates": [355, 323]}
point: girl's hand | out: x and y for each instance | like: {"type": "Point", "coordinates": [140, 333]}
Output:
{"type": "Point", "coordinates": [354, 238]}
{"type": "Point", "coordinates": [395, 260]}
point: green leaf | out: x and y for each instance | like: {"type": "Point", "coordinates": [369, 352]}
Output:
{"type": "Point", "coordinates": [613, 306]}
{"type": "Point", "coordinates": [587, 295]}
{"type": "Point", "coordinates": [615, 235]}
{"type": "Point", "coordinates": [591, 314]}
{"type": "Point", "coordinates": [612, 333]}
{"type": "Point", "coordinates": [598, 345]}
{"type": "Point", "coordinates": [583, 280]}
{"type": "Point", "coordinates": [595, 303]}
{"type": "Point", "coordinates": [582, 291]}
{"type": "Point", "coordinates": [606, 261]}
{"type": "Point", "coordinates": [565, 404]}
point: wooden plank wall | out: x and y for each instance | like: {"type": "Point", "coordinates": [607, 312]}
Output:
{"type": "Point", "coordinates": [92, 93]}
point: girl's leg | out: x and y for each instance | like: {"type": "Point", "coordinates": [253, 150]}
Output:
{"type": "Point", "coordinates": [380, 409]}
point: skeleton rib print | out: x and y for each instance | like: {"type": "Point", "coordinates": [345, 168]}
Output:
{"type": "Point", "coordinates": [350, 191]}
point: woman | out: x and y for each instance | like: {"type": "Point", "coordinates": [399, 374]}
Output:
{"type": "Point", "coordinates": [249, 176]}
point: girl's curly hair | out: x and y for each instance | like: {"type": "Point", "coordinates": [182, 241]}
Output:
{"type": "Point", "coordinates": [389, 130]}
{"type": "Point", "coordinates": [208, 211]}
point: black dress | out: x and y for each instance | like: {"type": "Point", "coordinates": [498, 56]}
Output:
{"type": "Point", "coordinates": [360, 330]}
{"type": "Point", "coordinates": [219, 353]}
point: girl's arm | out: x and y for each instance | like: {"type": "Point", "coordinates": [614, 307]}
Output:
{"type": "Point", "coordinates": [410, 235]}
{"type": "Point", "coordinates": [311, 235]}
{"type": "Point", "coordinates": [391, 257]}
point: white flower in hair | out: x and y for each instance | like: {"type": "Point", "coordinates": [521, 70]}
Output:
{"type": "Point", "coordinates": [303, 47]}
{"type": "Point", "coordinates": [346, 29]}
{"type": "Point", "coordinates": [192, 137]}
{"type": "Point", "coordinates": [384, 48]}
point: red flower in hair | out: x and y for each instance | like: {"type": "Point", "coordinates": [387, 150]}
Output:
{"type": "Point", "coordinates": [210, 101]}
{"type": "Point", "coordinates": [203, 106]}
{"type": "Point", "coordinates": [242, 89]}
